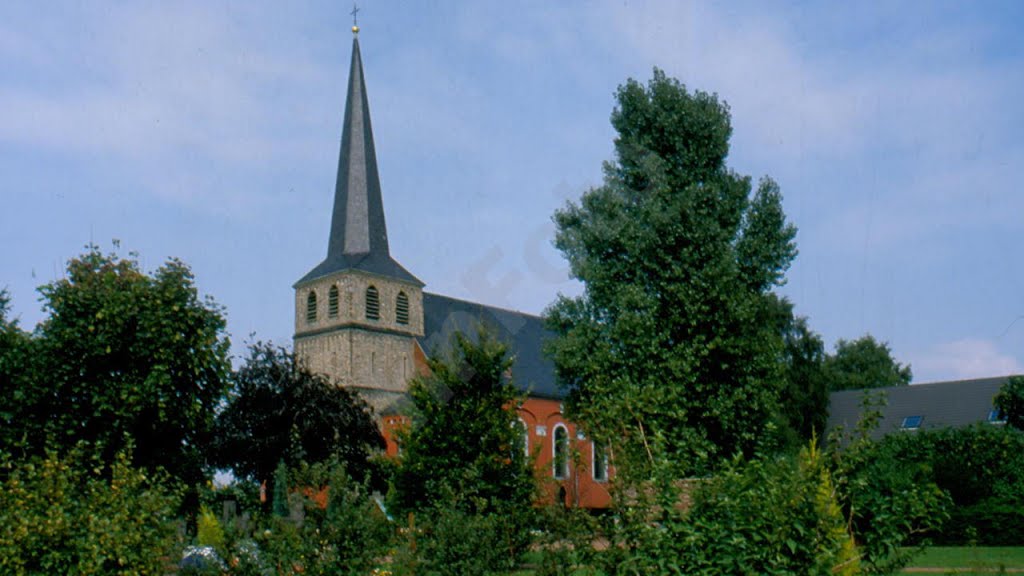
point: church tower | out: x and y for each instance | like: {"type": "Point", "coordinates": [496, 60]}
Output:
{"type": "Point", "coordinates": [358, 313]}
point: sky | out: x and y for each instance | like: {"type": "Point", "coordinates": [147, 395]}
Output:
{"type": "Point", "coordinates": [209, 131]}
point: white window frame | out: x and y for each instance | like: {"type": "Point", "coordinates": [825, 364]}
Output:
{"type": "Point", "coordinates": [554, 453]}
{"type": "Point", "coordinates": [526, 437]}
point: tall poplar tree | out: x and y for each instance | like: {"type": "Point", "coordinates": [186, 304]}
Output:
{"type": "Point", "coordinates": [672, 352]}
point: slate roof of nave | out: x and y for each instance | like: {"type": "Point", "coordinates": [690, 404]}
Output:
{"type": "Point", "coordinates": [532, 371]}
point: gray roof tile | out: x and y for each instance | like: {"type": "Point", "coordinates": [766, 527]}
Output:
{"type": "Point", "coordinates": [532, 372]}
{"type": "Point", "coordinates": [940, 404]}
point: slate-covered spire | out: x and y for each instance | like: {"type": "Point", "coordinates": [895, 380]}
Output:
{"type": "Point", "coordinates": [358, 224]}
{"type": "Point", "coordinates": [359, 236]}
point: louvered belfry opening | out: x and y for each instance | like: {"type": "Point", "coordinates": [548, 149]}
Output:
{"type": "Point", "coordinates": [311, 307]}
{"type": "Point", "coordinates": [372, 303]}
{"type": "Point", "coordinates": [332, 302]}
{"type": "Point", "coordinates": [402, 308]}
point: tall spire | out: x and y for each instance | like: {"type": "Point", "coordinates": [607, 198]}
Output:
{"type": "Point", "coordinates": [358, 225]}
{"type": "Point", "coordinates": [359, 236]}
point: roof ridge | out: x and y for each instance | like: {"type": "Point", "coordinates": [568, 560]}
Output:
{"type": "Point", "coordinates": [492, 307]}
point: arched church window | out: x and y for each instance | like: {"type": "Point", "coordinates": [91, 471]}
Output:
{"type": "Point", "coordinates": [311, 307]}
{"type": "Point", "coordinates": [599, 462]}
{"type": "Point", "coordinates": [560, 453]}
{"type": "Point", "coordinates": [522, 429]}
{"type": "Point", "coordinates": [332, 302]}
{"type": "Point", "coordinates": [372, 303]}
{"type": "Point", "coordinates": [402, 308]}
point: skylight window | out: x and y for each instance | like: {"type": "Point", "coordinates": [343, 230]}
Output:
{"type": "Point", "coordinates": [911, 423]}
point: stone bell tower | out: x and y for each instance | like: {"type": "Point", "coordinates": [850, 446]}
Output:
{"type": "Point", "coordinates": [358, 313]}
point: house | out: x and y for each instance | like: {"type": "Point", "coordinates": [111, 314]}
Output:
{"type": "Point", "coordinates": [364, 320]}
{"type": "Point", "coordinates": [922, 406]}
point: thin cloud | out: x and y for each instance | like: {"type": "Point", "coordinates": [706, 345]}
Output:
{"type": "Point", "coordinates": [963, 359]}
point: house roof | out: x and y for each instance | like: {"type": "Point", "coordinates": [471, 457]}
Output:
{"type": "Point", "coordinates": [532, 372]}
{"type": "Point", "coordinates": [939, 404]}
{"type": "Point", "coordinates": [359, 236]}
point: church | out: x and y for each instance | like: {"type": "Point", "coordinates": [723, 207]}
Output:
{"type": "Point", "coordinates": [365, 321]}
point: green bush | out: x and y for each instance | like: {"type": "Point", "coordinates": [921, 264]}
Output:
{"type": "Point", "coordinates": [981, 468]}
{"type": "Point", "coordinates": [450, 542]}
{"type": "Point", "coordinates": [349, 536]}
{"type": "Point", "coordinates": [73, 515]}
{"type": "Point", "coordinates": [566, 541]}
{"type": "Point", "coordinates": [762, 516]}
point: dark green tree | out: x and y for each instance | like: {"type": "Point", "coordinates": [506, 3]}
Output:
{"type": "Point", "coordinates": [464, 447]}
{"type": "Point", "coordinates": [128, 358]}
{"type": "Point", "coordinates": [673, 349]}
{"type": "Point", "coordinates": [280, 412]}
{"type": "Point", "coordinates": [463, 467]}
{"type": "Point", "coordinates": [864, 363]}
{"type": "Point", "coordinates": [1010, 401]}
{"type": "Point", "coordinates": [17, 383]}
{"type": "Point", "coordinates": [803, 401]}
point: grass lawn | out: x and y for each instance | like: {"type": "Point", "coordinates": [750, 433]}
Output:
{"type": "Point", "coordinates": [971, 560]}
{"type": "Point", "coordinates": [958, 560]}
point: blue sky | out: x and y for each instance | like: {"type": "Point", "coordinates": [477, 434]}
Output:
{"type": "Point", "coordinates": [209, 131]}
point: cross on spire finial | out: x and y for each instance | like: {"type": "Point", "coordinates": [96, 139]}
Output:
{"type": "Point", "coordinates": [355, 18]}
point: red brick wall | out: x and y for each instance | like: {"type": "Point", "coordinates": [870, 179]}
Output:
{"type": "Point", "coordinates": [541, 416]}
{"type": "Point", "coordinates": [579, 488]}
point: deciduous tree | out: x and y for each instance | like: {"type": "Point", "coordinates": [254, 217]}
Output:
{"type": "Point", "coordinates": [864, 363]}
{"type": "Point", "coordinates": [17, 384]}
{"type": "Point", "coordinates": [1010, 401]}
{"type": "Point", "coordinates": [463, 466]}
{"type": "Point", "coordinates": [280, 412]}
{"type": "Point", "coordinates": [128, 358]}
{"type": "Point", "coordinates": [464, 447]}
{"type": "Point", "coordinates": [803, 401]}
{"type": "Point", "coordinates": [673, 350]}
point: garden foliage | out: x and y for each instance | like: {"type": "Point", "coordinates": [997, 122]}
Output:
{"type": "Point", "coordinates": [75, 514]}
{"type": "Point", "coordinates": [980, 468]}
{"type": "Point", "coordinates": [765, 515]}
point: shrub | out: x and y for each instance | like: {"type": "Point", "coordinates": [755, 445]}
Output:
{"type": "Point", "coordinates": [980, 468]}
{"type": "Point", "coordinates": [209, 532]}
{"type": "Point", "coordinates": [72, 515]}
{"type": "Point", "coordinates": [450, 542]}
{"type": "Point", "coordinates": [348, 536]}
{"type": "Point", "coordinates": [762, 516]}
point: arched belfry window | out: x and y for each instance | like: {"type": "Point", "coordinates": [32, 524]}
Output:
{"type": "Point", "coordinates": [311, 307]}
{"type": "Point", "coordinates": [560, 453]}
{"type": "Point", "coordinates": [402, 308]}
{"type": "Point", "coordinates": [372, 303]}
{"type": "Point", "coordinates": [332, 302]}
